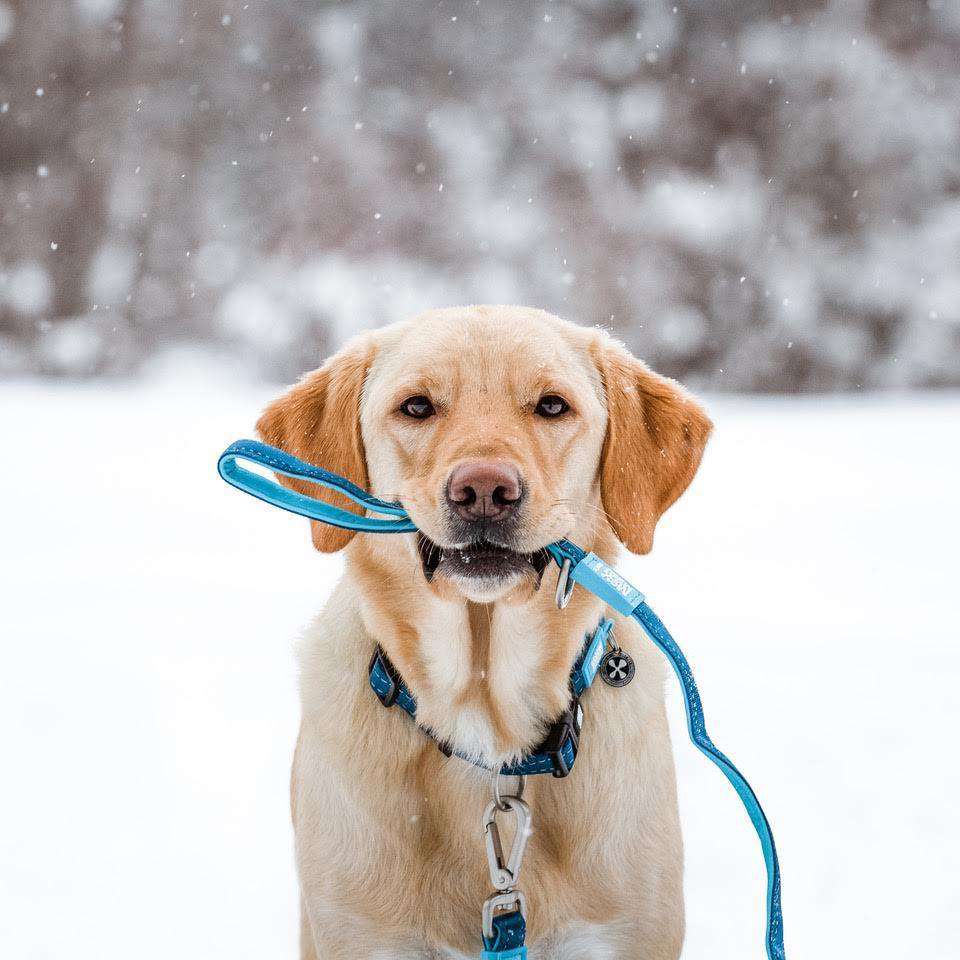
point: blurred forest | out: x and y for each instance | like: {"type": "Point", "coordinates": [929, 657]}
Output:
{"type": "Point", "coordinates": [758, 196]}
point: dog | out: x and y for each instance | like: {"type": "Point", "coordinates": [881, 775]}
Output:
{"type": "Point", "coordinates": [500, 430]}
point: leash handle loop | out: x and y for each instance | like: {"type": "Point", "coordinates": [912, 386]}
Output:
{"type": "Point", "coordinates": [268, 490]}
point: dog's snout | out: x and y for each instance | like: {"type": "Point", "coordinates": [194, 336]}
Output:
{"type": "Point", "coordinates": [484, 490]}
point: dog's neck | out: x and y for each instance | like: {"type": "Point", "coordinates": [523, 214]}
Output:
{"type": "Point", "coordinates": [488, 677]}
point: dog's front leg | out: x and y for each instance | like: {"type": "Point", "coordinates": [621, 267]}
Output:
{"type": "Point", "coordinates": [308, 947]}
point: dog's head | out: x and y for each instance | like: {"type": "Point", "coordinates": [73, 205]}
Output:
{"type": "Point", "coordinates": [500, 430]}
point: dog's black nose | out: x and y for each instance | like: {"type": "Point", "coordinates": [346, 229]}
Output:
{"type": "Point", "coordinates": [484, 490]}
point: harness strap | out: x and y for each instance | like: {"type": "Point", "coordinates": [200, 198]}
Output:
{"type": "Point", "coordinates": [581, 567]}
{"type": "Point", "coordinates": [558, 751]}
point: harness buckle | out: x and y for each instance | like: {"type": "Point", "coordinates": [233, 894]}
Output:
{"type": "Point", "coordinates": [381, 664]}
{"type": "Point", "coordinates": [504, 872]}
{"type": "Point", "coordinates": [563, 731]}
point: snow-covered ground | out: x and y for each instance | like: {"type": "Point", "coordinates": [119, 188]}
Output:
{"type": "Point", "coordinates": [147, 690]}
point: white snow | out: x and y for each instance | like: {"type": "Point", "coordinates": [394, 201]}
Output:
{"type": "Point", "coordinates": [112, 273]}
{"type": "Point", "coordinates": [27, 288]}
{"type": "Point", "coordinates": [148, 706]}
{"type": "Point", "coordinates": [97, 11]}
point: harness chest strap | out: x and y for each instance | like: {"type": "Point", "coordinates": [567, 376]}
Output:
{"type": "Point", "coordinates": [577, 567]}
{"type": "Point", "coordinates": [558, 751]}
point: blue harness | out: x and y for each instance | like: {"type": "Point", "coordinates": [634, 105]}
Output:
{"type": "Point", "coordinates": [577, 567]}
{"type": "Point", "coordinates": [558, 751]}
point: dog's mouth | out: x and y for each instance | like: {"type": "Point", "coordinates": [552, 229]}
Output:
{"type": "Point", "coordinates": [480, 560]}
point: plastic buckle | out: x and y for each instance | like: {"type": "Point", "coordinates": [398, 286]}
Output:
{"type": "Point", "coordinates": [566, 728]}
{"type": "Point", "coordinates": [381, 661]}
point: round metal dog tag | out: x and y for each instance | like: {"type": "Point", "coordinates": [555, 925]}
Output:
{"type": "Point", "coordinates": [617, 669]}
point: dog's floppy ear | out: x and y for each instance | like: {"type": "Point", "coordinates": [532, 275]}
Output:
{"type": "Point", "coordinates": [318, 420]}
{"type": "Point", "coordinates": [656, 433]}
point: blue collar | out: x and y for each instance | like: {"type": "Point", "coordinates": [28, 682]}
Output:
{"type": "Point", "coordinates": [558, 751]}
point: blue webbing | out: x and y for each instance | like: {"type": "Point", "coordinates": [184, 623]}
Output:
{"type": "Point", "coordinates": [509, 932]}
{"type": "Point", "coordinates": [390, 689]}
{"type": "Point", "coordinates": [585, 568]}
{"type": "Point", "coordinates": [268, 490]}
{"type": "Point", "coordinates": [696, 725]}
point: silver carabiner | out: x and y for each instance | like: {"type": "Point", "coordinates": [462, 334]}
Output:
{"type": "Point", "coordinates": [504, 872]}
{"type": "Point", "coordinates": [564, 584]}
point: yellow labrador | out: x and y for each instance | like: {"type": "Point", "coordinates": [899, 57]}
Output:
{"type": "Point", "coordinates": [500, 430]}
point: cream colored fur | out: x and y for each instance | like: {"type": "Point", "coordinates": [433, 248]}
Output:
{"type": "Point", "coordinates": [389, 842]}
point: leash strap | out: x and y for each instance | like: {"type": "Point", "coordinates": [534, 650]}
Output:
{"type": "Point", "coordinates": [599, 578]}
{"type": "Point", "coordinates": [577, 567]}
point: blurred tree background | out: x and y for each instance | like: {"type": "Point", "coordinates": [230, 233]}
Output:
{"type": "Point", "coordinates": [756, 196]}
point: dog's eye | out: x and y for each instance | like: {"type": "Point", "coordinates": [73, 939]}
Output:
{"type": "Point", "coordinates": [418, 407]}
{"type": "Point", "coordinates": [550, 405]}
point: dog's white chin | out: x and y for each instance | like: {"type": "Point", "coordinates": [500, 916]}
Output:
{"type": "Point", "coordinates": [486, 589]}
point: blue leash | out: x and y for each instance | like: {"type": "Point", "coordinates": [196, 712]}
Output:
{"type": "Point", "coordinates": [576, 567]}
{"type": "Point", "coordinates": [603, 581]}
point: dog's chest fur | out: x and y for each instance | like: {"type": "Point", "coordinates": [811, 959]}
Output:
{"type": "Point", "coordinates": [389, 832]}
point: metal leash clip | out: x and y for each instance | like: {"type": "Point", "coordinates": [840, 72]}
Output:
{"type": "Point", "coordinates": [504, 870]}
